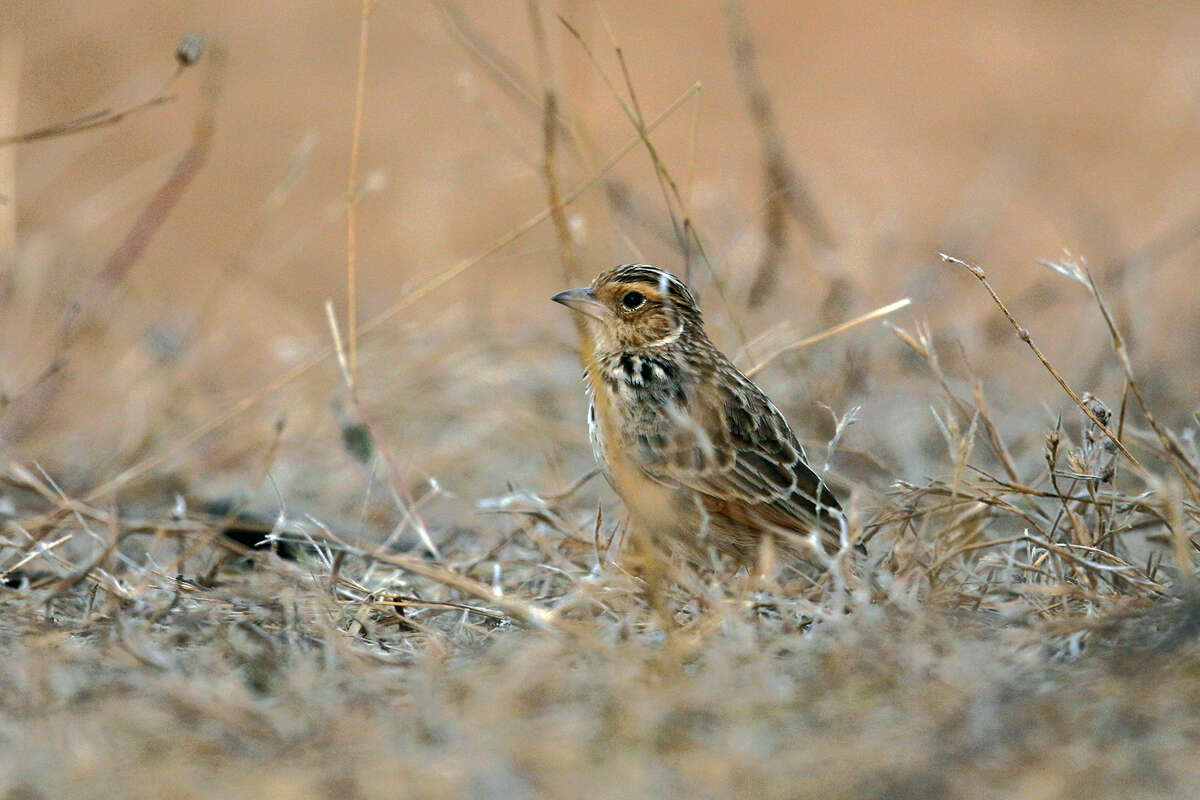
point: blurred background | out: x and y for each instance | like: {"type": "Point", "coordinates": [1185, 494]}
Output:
{"type": "Point", "coordinates": [1001, 133]}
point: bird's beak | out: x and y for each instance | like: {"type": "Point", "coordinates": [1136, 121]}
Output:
{"type": "Point", "coordinates": [583, 301]}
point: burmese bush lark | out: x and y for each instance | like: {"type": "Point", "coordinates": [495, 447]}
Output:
{"type": "Point", "coordinates": [696, 451]}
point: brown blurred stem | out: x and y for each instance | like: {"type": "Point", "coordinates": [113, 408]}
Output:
{"type": "Point", "coordinates": [786, 190]}
{"type": "Point", "coordinates": [95, 299]}
{"type": "Point", "coordinates": [550, 137]}
{"type": "Point", "coordinates": [160, 206]}
{"type": "Point", "coordinates": [352, 193]}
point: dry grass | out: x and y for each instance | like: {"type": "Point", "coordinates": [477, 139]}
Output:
{"type": "Point", "coordinates": [388, 570]}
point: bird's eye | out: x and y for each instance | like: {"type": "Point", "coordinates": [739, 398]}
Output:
{"type": "Point", "coordinates": [632, 300]}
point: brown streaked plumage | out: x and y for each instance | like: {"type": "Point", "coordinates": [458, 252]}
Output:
{"type": "Point", "coordinates": [697, 452]}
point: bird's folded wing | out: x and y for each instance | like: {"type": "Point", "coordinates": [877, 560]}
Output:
{"type": "Point", "coordinates": [749, 458]}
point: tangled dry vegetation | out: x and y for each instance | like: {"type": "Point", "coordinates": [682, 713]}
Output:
{"type": "Point", "coordinates": [1024, 624]}
{"type": "Point", "coordinates": [1023, 634]}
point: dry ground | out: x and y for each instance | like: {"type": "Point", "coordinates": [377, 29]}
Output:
{"type": "Point", "coordinates": [1025, 624]}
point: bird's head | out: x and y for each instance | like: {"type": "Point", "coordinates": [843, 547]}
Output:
{"type": "Point", "coordinates": [636, 307]}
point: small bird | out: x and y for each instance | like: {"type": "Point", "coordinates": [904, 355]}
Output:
{"type": "Point", "coordinates": [696, 451]}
